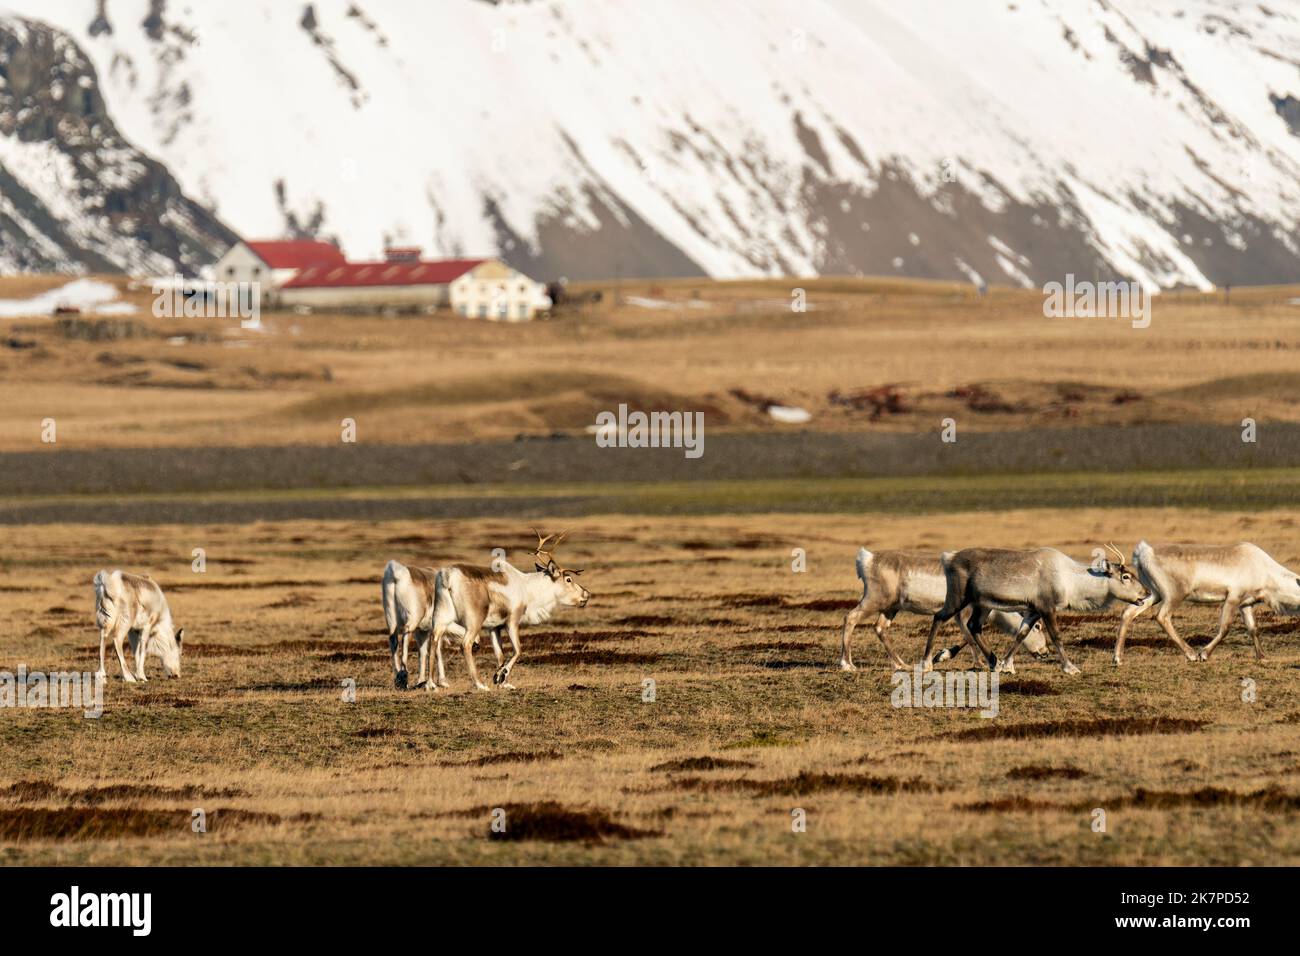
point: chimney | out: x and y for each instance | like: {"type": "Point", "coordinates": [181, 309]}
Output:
{"type": "Point", "coordinates": [402, 254]}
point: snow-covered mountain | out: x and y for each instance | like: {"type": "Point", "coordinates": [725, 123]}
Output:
{"type": "Point", "coordinates": [73, 194]}
{"type": "Point", "coordinates": [1011, 140]}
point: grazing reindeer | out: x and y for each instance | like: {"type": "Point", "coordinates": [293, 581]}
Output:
{"type": "Point", "coordinates": [1237, 577]}
{"type": "Point", "coordinates": [1038, 584]}
{"type": "Point", "coordinates": [912, 581]}
{"type": "Point", "coordinates": [130, 606]}
{"type": "Point", "coordinates": [468, 599]}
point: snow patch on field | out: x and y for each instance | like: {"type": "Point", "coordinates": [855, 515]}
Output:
{"type": "Point", "coordinates": [88, 296]}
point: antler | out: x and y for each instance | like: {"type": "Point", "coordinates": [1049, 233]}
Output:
{"type": "Point", "coordinates": [1119, 555]}
{"type": "Point", "coordinates": [542, 549]}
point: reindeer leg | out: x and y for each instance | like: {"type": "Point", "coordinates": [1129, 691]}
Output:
{"type": "Point", "coordinates": [399, 672]}
{"type": "Point", "coordinates": [1027, 623]}
{"type": "Point", "coordinates": [1049, 621]}
{"type": "Point", "coordinates": [502, 676]}
{"type": "Point", "coordinates": [103, 642]}
{"type": "Point", "coordinates": [1165, 618]}
{"type": "Point", "coordinates": [973, 637]}
{"type": "Point", "coordinates": [422, 649]}
{"type": "Point", "coordinates": [850, 622]}
{"type": "Point", "coordinates": [437, 637]}
{"type": "Point", "coordinates": [437, 655]}
{"type": "Point", "coordinates": [883, 623]}
{"type": "Point", "coordinates": [1226, 615]}
{"type": "Point", "coordinates": [927, 663]}
{"type": "Point", "coordinates": [1131, 614]}
{"type": "Point", "coordinates": [1248, 618]}
{"type": "Point", "coordinates": [140, 650]}
{"type": "Point", "coordinates": [496, 646]}
{"type": "Point", "coordinates": [948, 653]}
{"type": "Point", "coordinates": [467, 642]}
{"type": "Point", "coordinates": [119, 637]}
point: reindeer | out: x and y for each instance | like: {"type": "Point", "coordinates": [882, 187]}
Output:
{"type": "Point", "coordinates": [469, 598]}
{"type": "Point", "coordinates": [1237, 577]}
{"type": "Point", "coordinates": [912, 581]}
{"type": "Point", "coordinates": [1038, 584]}
{"type": "Point", "coordinates": [130, 606]}
{"type": "Point", "coordinates": [407, 593]}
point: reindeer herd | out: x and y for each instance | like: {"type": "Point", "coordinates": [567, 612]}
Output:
{"type": "Point", "coordinates": [1019, 592]}
{"type": "Point", "coordinates": [1022, 592]}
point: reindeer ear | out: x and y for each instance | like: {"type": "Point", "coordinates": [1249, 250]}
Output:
{"type": "Point", "coordinates": [180, 635]}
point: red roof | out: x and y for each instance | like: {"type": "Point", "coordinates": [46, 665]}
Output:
{"type": "Point", "coordinates": [296, 253]}
{"type": "Point", "coordinates": [347, 274]}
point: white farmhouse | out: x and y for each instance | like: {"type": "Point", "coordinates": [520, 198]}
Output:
{"type": "Point", "coordinates": [492, 290]}
{"type": "Point", "coordinates": [273, 263]}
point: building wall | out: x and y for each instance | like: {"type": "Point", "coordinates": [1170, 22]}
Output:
{"type": "Point", "coordinates": [368, 297]}
{"type": "Point", "coordinates": [492, 290]}
{"type": "Point", "coordinates": [241, 264]}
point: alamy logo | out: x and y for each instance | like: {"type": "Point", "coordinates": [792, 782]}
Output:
{"type": "Point", "coordinates": [946, 689]}
{"type": "Point", "coordinates": [651, 430]}
{"type": "Point", "coordinates": [102, 909]}
{"type": "Point", "coordinates": [178, 298]}
{"type": "Point", "coordinates": [1091, 300]}
{"type": "Point", "coordinates": [36, 689]}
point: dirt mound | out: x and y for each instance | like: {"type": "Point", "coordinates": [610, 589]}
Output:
{"type": "Point", "coordinates": [1043, 772]}
{"type": "Point", "coordinates": [807, 782]}
{"type": "Point", "coordinates": [524, 756]}
{"type": "Point", "coordinates": [701, 763]}
{"type": "Point", "coordinates": [1105, 727]}
{"type": "Point", "coordinates": [553, 823]}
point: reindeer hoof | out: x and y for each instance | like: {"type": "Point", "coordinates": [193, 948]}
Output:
{"type": "Point", "coordinates": [926, 666]}
{"type": "Point", "coordinates": [482, 687]}
{"type": "Point", "coordinates": [1203, 656]}
{"type": "Point", "coordinates": [500, 676]}
{"type": "Point", "coordinates": [1070, 669]}
{"type": "Point", "coordinates": [508, 686]}
{"type": "Point", "coordinates": [943, 655]}
{"type": "Point", "coordinates": [129, 678]}
{"type": "Point", "coordinates": [847, 666]}
{"type": "Point", "coordinates": [443, 682]}
{"type": "Point", "coordinates": [400, 679]}
{"type": "Point", "coordinates": [1119, 661]}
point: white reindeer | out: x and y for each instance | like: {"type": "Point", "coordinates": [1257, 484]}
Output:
{"type": "Point", "coordinates": [469, 598]}
{"type": "Point", "coordinates": [1038, 584]}
{"type": "Point", "coordinates": [130, 606]}
{"type": "Point", "coordinates": [912, 581]}
{"type": "Point", "coordinates": [407, 594]}
{"type": "Point", "coordinates": [1237, 577]}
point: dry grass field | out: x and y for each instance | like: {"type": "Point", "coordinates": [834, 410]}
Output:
{"type": "Point", "coordinates": [691, 575]}
{"type": "Point", "coordinates": [751, 717]}
{"type": "Point", "coordinates": [875, 355]}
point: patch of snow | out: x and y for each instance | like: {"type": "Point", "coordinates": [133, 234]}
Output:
{"type": "Point", "coordinates": [88, 296]}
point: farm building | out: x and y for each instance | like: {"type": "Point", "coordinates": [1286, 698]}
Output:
{"type": "Point", "coordinates": [477, 288]}
{"type": "Point", "coordinates": [273, 263]}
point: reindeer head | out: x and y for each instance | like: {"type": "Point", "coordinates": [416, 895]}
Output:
{"type": "Point", "coordinates": [1123, 580]}
{"type": "Point", "coordinates": [570, 592]}
{"type": "Point", "coordinates": [168, 647]}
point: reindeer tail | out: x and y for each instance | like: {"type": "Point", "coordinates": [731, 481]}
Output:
{"type": "Point", "coordinates": [863, 562]}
